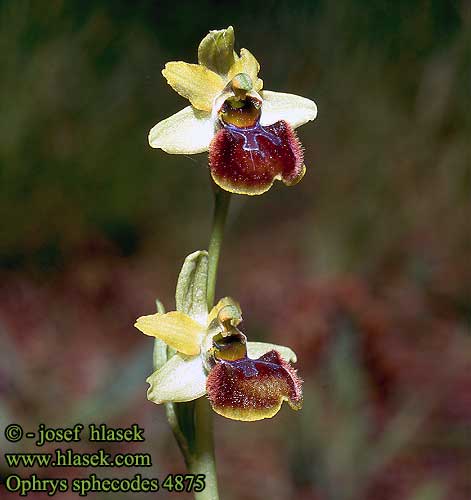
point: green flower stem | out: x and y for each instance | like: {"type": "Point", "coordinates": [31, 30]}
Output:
{"type": "Point", "coordinates": [192, 422]}
{"type": "Point", "coordinates": [201, 459]}
{"type": "Point", "coordinates": [221, 206]}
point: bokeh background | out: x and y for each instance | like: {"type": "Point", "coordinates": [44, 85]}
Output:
{"type": "Point", "coordinates": [363, 268]}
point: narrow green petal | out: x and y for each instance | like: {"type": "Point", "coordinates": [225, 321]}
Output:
{"type": "Point", "coordinates": [189, 131]}
{"type": "Point", "coordinates": [247, 63]}
{"type": "Point", "coordinates": [294, 109]}
{"type": "Point", "coordinates": [175, 328]}
{"type": "Point", "coordinates": [257, 349]}
{"type": "Point", "coordinates": [182, 378]}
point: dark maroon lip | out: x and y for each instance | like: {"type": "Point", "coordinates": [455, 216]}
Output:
{"type": "Point", "coordinates": [248, 160]}
{"type": "Point", "coordinates": [242, 384]}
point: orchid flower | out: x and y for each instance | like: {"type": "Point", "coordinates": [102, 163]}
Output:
{"type": "Point", "coordinates": [243, 380]}
{"type": "Point", "coordinates": [248, 131]}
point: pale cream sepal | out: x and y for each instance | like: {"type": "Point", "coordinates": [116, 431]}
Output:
{"type": "Point", "coordinates": [294, 109]}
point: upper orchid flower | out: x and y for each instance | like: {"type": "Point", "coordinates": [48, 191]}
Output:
{"type": "Point", "coordinates": [248, 131]}
{"type": "Point", "coordinates": [243, 380]}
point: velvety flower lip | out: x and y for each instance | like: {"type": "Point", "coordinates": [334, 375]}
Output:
{"type": "Point", "coordinates": [223, 79]}
{"type": "Point", "coordinates": [252, 389]}
{"type": "Point", "coordinates": [243, 380]}
{"type": "Point", "coordinates": [249, 160]}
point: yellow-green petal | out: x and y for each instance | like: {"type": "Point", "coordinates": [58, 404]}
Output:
{"type": "Point", "coordinates": [175, 328]}
{"type": "Point", "coordinates": [196, 83]}
{"type": "Point", "coordinates": [247, 63]}
{"type": "Point", "coordinates": [294, 109]}
{"type": "Point", "coordinates": [189, 131]}
{"type": "Point", "coordinates": [216, 50]}
{"type": "Point", "coordinates": [181, 379]}
{"type": "Point", "coordinates": [257, 349]}
{"type": "Point", "coordinates": [231, 311]}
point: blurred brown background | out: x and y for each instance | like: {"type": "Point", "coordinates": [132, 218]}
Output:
{"type": "Point", "coordinates": [363, 268]}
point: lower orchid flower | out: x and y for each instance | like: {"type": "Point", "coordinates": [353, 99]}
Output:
{"type": "Point", "coordinates": [243, 380]}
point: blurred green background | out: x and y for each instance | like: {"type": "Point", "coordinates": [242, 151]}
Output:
{"type": "Point", "coordinates": [363, 268]}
